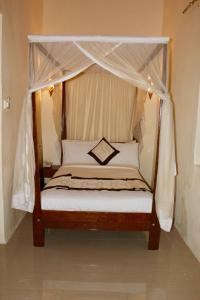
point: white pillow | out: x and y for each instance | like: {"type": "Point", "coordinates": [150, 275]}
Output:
{"type": "Point", "coordinates": [76, 152]}
{"type": "Point", "coordinates": [128, 155]}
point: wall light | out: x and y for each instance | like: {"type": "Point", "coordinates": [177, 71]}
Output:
{"type": "Point", "coordinates": [150, 93]}
{"type": "Point", "coordinates": [51, 90]}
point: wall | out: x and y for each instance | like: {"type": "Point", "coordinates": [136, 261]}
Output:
{"type": "Point", "coordinates": [103, 17]}
{"type": "Point", "coordinates": [20, 17]}
{"type": "Point", "coordinates": [185, 83]}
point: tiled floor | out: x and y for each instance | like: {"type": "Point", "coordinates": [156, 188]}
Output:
{"type": "Point", "coordinates": [92, 265]}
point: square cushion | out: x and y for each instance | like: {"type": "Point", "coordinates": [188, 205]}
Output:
{"type": "Point", "coordinates": [103, 152]}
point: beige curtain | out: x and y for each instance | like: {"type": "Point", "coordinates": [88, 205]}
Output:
{"type": "Point", "coordinates": [50, 124]}
{"type": "Point", "coordinates": [57, 108]}
{"type": "Point", "coordinates": [100, 104]}
{"type": "Point", "coordinates": [138, 111]}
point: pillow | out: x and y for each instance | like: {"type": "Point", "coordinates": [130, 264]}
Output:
{"type": "Point", "coordinates": [76, 152]}
{"type": "Point", "coordinates": [128, 155]}
{"type": "Point", "coordinates": [103, 152]}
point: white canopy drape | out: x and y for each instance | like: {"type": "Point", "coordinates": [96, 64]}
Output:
{"type": "Point", "coordinates": [135, 60]}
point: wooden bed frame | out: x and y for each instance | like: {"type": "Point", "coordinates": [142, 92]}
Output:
{"type": "Point", "coordinates": [43, 219]}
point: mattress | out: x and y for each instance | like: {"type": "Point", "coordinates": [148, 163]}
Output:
{"type": "Point", "coordinates": [102, 200]}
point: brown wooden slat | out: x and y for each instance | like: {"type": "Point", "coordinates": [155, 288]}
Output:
{"type": "Point", "coordinates": [96, 220]}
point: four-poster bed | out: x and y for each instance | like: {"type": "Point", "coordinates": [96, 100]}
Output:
{"type": "Point", "coordinates": [103, 220]}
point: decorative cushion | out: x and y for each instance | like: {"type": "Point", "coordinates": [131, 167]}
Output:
{"type": "Point", "coordinates": [103, 152]}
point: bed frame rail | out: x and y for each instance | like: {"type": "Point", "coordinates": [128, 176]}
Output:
{"type": "Point", "coordinates": [96, 220]}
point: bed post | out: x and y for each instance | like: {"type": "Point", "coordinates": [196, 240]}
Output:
{"type": "Point", "coordinates": [38, 226]}
{"type": "Point", "coordinates": [154, 231]}
{"type": "Point", "coordinates": [63, 117]}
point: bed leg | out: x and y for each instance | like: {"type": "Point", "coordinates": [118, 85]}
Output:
{"type": "Point", "coordinates": [154, 235]}
{"type": "Point", "coordinates": [38, 231]}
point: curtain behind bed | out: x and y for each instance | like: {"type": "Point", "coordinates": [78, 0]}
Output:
{"type": "Point", "coordinates": [105, 107]}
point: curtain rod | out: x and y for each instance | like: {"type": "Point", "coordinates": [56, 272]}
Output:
{"type": "Point", "coordinates": [114, 39]}
{"type": "Point", "coordinates": [190, 4]}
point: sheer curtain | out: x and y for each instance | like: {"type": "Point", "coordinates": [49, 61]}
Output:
{"type": "Point", "coordinates": [57, 108]}
{"type": "Point", "coordinates": [52, 63]}
{"type": "Point", "coordinates": [136, 61]}
{"type": "Point", "coordinates": [105, 107]}
{"type": "Point", "coordinates": [24, 169]}
{"type": "Point", "coordinates": [138, 64]}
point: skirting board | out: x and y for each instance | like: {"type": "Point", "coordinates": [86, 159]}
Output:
{"type": "Point", "coordinates": [12, 230]}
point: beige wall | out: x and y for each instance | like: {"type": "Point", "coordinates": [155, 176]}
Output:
{"type": "Point", "coordinates": [20, 17]}
{"type": "Point", "coordinates": [103, 17]}
{"type": "Point", "coordinates": [185, 82]}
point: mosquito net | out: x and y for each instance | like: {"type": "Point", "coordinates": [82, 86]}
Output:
{"type": "Point", "coordinates": [139, 61]}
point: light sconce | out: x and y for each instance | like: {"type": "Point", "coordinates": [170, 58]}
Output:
{"type": "Point", "coordinates": [51, 90]}
{"type": "Point", "coordinates": [150, 93]}
{"type": "Point", "coordinates": [150, 89]}
{"type": "Point", "coordinates": [149, 78]}
{"type": "Point", "coordinates": [51, 87]}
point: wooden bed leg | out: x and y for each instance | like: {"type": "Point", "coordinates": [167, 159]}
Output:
{"type": "Point", "coordinates": [38, 231]}
{"type": "Point", "coordinates": [38, 225]}
{"type": "Point", "coordinates": [154, 235]}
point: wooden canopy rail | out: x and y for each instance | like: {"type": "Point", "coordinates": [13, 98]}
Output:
{"type": "Point", "coordinates": [43, 219]}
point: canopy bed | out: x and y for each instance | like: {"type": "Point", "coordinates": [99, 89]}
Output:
{"type": "Point", "coordinates": [94, 191]}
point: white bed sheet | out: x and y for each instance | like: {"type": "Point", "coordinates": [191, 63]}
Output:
{"type": "Point", "coordinates": [101, 201]}
{"type": "Point", "coordinates": [96, 201]}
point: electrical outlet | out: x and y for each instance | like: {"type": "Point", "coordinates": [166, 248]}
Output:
{"type": "Point", "coordinates": [6, 103]}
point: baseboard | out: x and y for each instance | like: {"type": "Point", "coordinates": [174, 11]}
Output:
{"type": "Point", "coordinates": [12, 231]}
{"type": "Point", "coordinates": [193, 249]}
{"type": "Point", "coordinates": [2, 240]}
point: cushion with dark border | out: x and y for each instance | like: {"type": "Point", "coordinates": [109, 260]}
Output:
{"type": "Point", "coordinates": [103, 152]}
